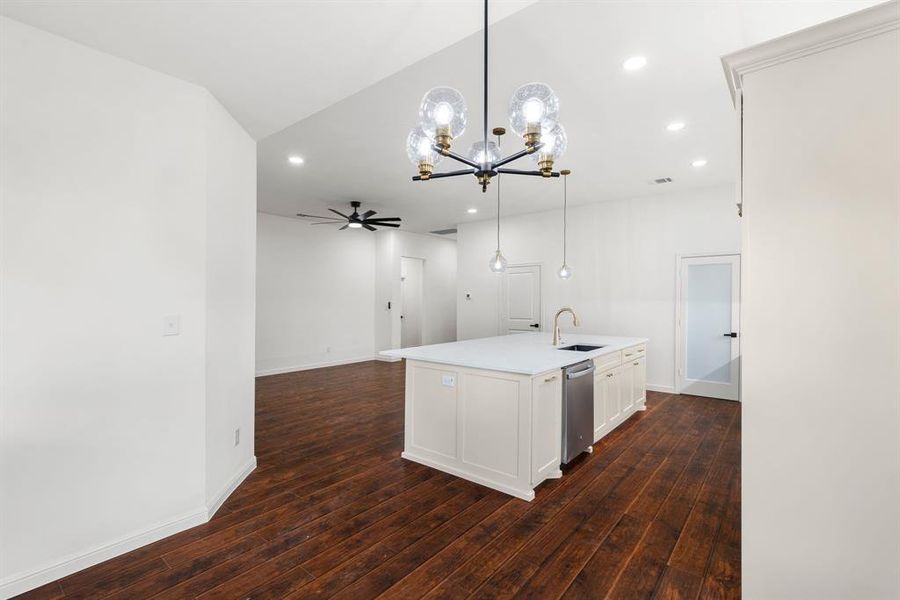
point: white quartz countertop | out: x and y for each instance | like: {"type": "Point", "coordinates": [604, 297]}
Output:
{"type": "Point", "coordinates": [525, 353]}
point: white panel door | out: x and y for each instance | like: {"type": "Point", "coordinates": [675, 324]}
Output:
{"type": "Point", "coordinates": [709, 314]}
{"type": "Point", "coordinates": [411, 278]}
{"type": "Point", "coordinates": [520, 305]}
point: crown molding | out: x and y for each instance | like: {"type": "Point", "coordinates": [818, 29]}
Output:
{"type": "Point", "coordinates": [843, 30]}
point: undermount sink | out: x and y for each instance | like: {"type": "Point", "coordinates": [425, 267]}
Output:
{"type": "Point", "coordinates": [581, 348]}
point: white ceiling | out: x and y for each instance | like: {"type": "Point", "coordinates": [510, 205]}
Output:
{"type": "Point", "coordinates": [349, 76]}
{"type": "Point", "coordinates": [618, 143]}
{"type": "Point", "coordinates": [270, 62]}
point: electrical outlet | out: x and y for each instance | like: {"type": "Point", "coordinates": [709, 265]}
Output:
{"type": "Point", "coordinates": [237, 436]}
{"type": "Point", "coordinates": [448, 380]}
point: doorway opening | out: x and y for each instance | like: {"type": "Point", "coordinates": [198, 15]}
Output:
{"type": "Point", "coordinates": [707, 320]}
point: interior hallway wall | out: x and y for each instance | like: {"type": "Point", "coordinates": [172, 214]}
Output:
{"type": "Point", "coordinates": [119, 187]}
{"type": "Point", "coordinates": [623, 256]}
{"type": "Point", "coordinates": [315, 295]}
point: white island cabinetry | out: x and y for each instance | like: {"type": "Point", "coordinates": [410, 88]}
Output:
{"type": "Point", "coordinates": [490, 410]}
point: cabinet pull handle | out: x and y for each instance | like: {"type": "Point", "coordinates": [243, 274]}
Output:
{"type": "Point", "coordinates": [627, 354]}
{"type": "Point", "coordinates": [549, 379]}
{"type": "Point", "coordinates": [635, 364]}
{"type": "Point", "coordinates": [609, 374]}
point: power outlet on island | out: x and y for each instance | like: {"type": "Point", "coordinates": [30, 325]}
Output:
{"type": "Point", "coordinates": [448, 380]}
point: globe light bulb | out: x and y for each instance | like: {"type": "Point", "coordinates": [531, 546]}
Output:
{"type": "Point", "coordinates": [354, 225]}
{"type": "Point", "coordinates": [421, 152]}
{"type": "Point", "coordinates": [565, 271]}
{"type": "Point", "coordinates": [554, 146]}
{"type": "Point", "coordinates": [533, 110]}
{"type": "Point", "coordinates": [442, 115]}
{"type": "Point", "coordinates": [498, 262]}
{"type": "Point", "coordinates": [479, 155]}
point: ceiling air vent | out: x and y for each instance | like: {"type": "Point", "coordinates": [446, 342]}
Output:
{"type": "Point", "coordinates": [444, 231]}
{"type": "Point", "coordinates": [662, 180]}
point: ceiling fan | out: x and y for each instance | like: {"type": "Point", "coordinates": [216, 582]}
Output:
{"type": "Point", "coordinates": [355, 220]}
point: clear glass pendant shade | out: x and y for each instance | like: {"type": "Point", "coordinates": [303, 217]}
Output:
{"type": "Point", "coordinates": [478, 154]}
{"type": "Point", "coordinates": [498, 262]}
{"type": "Point", "coordinates": [419, 148]}
{"type": "Point", "coordinates": [555, 143]}
{"type": "Point", "coordinates": [443, 107]}
{"type": "Point", "coordinates": [565, 271]}
{"type": "Point", "coordinates": [533, 104]}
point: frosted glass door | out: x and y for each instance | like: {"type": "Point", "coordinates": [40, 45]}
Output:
{"type": "Point", "coordinates": [710, 300]}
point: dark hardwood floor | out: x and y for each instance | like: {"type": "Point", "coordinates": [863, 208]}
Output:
{"type": "Point", "coordinates": [333, 510]}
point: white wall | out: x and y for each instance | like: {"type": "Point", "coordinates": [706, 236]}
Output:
{"type": "Point", "coordinates": [315, 295]}
{"type": "Point", "coordinates": [821, 321]}
{"type": "Point", "coordinates": [107, 171]}
{"type": "Point", "coordinates": [438, 290]}
{"type": "Point", "coordinates": [322, 294]}
{"type": "Point", "coordinates": [230, 300]}
{"type": "Point", "coordinates": [623, 257]}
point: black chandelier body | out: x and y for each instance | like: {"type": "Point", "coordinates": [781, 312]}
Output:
{"type": "Point", "coordinates": [485, 170]}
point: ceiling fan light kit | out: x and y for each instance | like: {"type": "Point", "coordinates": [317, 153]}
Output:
{"type": "Point", "coordinates": [533, 116]}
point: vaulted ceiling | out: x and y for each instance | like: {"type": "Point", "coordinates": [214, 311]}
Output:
{"type": "Point", "coordinates": [339, 83]}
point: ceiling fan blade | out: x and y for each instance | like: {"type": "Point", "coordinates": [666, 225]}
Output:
{"type": "Point", "coordinates": [344, 227]}
{"type": "Point", "coordinates": [305, 216]}
{"type": "Point", "coordinates": [326, 223]}
{"type": "Point", "coordinates": [369, 227]}
{"type": "Point", "coordinates": [386, 224]}
{"type": "Point", "coordinates": [337, 213]}
{"type": "Point", "coordinates": [384, 219]}
{"type": "Point", "coordinates": [368, 214]}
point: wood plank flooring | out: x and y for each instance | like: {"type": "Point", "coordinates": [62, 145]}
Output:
{"type": "Point", "coordinates": [333, 511]}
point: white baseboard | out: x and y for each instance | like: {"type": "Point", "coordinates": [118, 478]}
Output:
{"type": "Point", "coordinates": [23, 582]}
{"type": "Point", "coordinates": [310, 366]}
{"type": "Point", "coordinates": [388, 358]}
{"type": "Point", "coordinates": [666, 389]}
{"type": "Point", "coordinates": [220, 498]}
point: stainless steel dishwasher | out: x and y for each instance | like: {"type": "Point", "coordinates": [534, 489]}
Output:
{"type": "Point", "coordinates": [578, 409]}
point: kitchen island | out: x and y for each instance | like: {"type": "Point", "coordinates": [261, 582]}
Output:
{"type": "Point", "coordinates": [489, 410]}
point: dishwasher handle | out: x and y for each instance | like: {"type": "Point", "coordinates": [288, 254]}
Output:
{"type": "Point", "coordinates": [578, 374]}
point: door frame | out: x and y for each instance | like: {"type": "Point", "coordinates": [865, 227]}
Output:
{"type": "Point", "coordinates": [501, 294]}
{"type": "Point", "coordinates": [679, 326]}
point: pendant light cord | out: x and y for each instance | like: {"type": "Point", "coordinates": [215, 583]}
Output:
{"type": "Point", "coordinates": [565, 215]}
{"type": "Point", "coordinates": [498, 214]}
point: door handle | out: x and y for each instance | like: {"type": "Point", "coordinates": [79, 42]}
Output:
{"type": "Point", "coordinates": [732, 334]}
{"type": "Point", "coordinates": [535, 325]}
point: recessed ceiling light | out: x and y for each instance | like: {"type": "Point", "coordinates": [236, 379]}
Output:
{"type": "Point", "coordinates": [472, 211]}
{"type": "Point", "coordinates": [295, 160]}
{"type": "Point", "coordinates": [675, 126]}
{"type": "Point", "coordinates": [634, 63]}
{"type": "Point", "coordinates": [700, 162]}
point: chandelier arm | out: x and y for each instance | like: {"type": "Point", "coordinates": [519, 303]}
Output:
{"type": "Point", "coordinates": [447, 174]}
{"type": "Point", "coordinates": [457, 157]}
{"type": "Point", "coordinates": [516, 156]}
{"type": "Point", "coordinates": [521, 172]}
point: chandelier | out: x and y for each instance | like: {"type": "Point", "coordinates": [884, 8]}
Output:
{"type": "Point", "coordinates": [533, 116]}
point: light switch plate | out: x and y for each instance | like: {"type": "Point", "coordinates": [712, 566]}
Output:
{"type": "Point", "coordinates": [171, 325]}
{"type": "Point", "coordinates": [448, 380]}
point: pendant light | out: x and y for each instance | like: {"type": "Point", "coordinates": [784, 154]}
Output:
{"type": "Point", "coordinates": [498, 261]}
{"type": "Point", "coordinates": [565, 271]}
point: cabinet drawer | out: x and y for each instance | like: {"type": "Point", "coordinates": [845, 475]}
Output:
{"type": "Point", "coordinates": [607, 361]}
{"type": "Point", "coordinates": [634, 352]}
